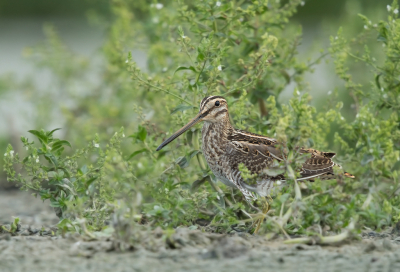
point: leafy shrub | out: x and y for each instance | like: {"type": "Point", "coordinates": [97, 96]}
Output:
{"type": "Point", "coordinates": [80, 193]}
{"type": "Point", "coordinates": [247, 52]}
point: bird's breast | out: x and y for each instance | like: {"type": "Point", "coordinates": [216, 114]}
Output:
{"type": "Point", "coordinates": [214, 147]}
{"type": "Point", "coordinates": [214, 141]}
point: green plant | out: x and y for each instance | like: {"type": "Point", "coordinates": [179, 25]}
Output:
{"type": "Point", "coordinates": [76, 189]}
{"type": "Point", "coordinates": [247, 52]}
{"type": "Point", "coordinates": [14, 226]}
{"type": "Point", "coordinates": [253, 69]}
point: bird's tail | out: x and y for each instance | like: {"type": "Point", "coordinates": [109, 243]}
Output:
{"type": "Point", "coordinates": [348, 175]}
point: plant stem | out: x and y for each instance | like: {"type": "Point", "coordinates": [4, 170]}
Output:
{"type": "Point", "coordinates": [187, 51]}
{"type": "Point", "coordinates": [163, 90]}
{"type": "Point", "coordinates": [198, 76]}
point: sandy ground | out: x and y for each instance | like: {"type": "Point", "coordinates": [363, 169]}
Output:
{"type": "Point", "coordinates": [36, 249]}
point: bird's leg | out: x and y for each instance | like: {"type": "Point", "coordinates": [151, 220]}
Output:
{"type": "Point", "coordinates": [265, 208]}
{"type": "Point", "coordinates": [260, 216]}
{"type": "Point", "coordinates": [254, 207]}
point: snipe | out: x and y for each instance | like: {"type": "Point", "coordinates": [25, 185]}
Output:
{"type": "Point", "coordinates": [225, 148]}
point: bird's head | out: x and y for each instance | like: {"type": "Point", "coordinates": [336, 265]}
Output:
{"type": "Point", "coordinates": [212, 109]}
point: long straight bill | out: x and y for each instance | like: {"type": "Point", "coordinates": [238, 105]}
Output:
{"type": "Point", "coordinates": [192, 122]}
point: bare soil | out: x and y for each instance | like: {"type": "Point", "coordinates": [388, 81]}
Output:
{"type": "Point", "coordinates": [36, 248]}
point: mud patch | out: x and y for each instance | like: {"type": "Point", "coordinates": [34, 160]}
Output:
{"type": "Point", "coordinates": [35, 248]}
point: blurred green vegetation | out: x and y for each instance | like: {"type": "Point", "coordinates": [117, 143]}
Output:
{"type": "Point", "coordinates": [244, 50]}
{"type": "Point", "coordinates": [47, 8]}
{"type": "Point", "coordinates": [314, 10]}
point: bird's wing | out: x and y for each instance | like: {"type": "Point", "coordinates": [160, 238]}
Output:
{"type": "Point", "coordinates": [255, 151]}
{"type": "Point", "coordinates": [258, 152]}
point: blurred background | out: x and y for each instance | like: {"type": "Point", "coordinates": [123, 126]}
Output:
{"type": "Point", "coordinates": [33, 97]}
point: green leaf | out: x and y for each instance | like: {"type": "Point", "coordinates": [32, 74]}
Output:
{"type": "Point", "coordinates": [297, 190]}
{"type": "Point", "coordinates": [161, 153]}
{"type": "Point", "coordinates": [180, 68]}
{"type": "Point", "coordinates": [57, 146]}
{"type": "Point", "coordinates": [16, 221]}
{"type": "Point", "coordinates": [200, 55]}
{"type": "Point", "coordinates": [50, 133]}
{"type": "Point", "coordinates": [66, 173]}
{"type": "Point", "coordinates": [290, 172]}
{"type": "Point", "coordinates": [136, 153]}
{"type": "Point", "coordinates": [90, 181]}
{"type": "Point", "coordinates": [66, 225]}
{"type": "Point", "coordinates": [193, 153]}
{"type": "Point", "coordinates": [45, 194]}
{"type": "Point", "coordinates": [50, 157]}
{"type": "Point", "coordinates": [189, 137]}
{"type": "Point", "coordinates": [140, 135]}
{"type": "Point", "coordinates": [68, 185]}
{"type": "Point", "coordinates": [359, 148]}
{"type": "Point", "coordinates": [273, 172]}
{"type": "Point", "coordinates": [54, 203]}
{"type": "Point", "coordinates": [181, 107]}
{"type": "Point", "coordinates": [57, 149]}
{"type": "Point", "coordinates": [13, 226]}
{"type": "Point", "coordinates": [383, 33]}
{"type": "Point", "coordinates": [42, 138]}
{"type": "Point", "coordinates": [182, 162]}
{"type": "Point", "coordinates": [378, 84]}
{"type": "Point", "coordinates": [61, 142]}
{"type": "Point", "coordinates": [197, 183]}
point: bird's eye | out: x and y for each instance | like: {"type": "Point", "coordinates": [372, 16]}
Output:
{"type": "Point", "coordinates": [217, 103]}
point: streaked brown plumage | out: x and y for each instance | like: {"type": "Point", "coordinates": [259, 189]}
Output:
{"type": "Point", "coordinates": [225, 148]}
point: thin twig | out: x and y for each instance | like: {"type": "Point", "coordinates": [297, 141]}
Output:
{"type": "Point", "coordinates": [163, 90]}
{"type": "Point", "coordinates": [187, 51]}
{"type": "Point", "coordinates": [363, 60]}
{"type": "Point", "coordinates": [312, 63]}
{"type": "Point", "coordinates": [235, 89]}
{"type": "Point", "coordinates": [202, 69]}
